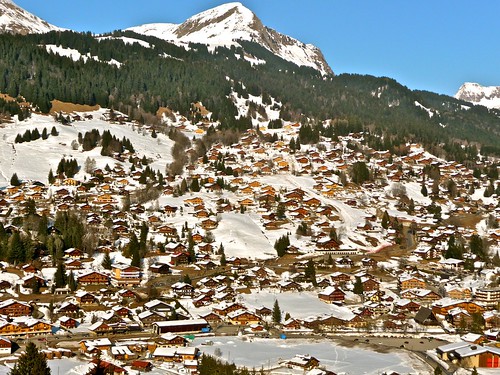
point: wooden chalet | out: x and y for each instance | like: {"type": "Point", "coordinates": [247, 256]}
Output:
{"type": "Point", "coordinates": [13, 308]}
{"type": "Point", "coordinates": [93, 278]}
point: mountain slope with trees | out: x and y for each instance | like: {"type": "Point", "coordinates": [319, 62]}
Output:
{"type": "Point", "coordinates": [166, 75]}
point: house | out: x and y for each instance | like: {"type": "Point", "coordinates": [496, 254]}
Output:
{"type": "Point", "coordinates": [286, 286]}
{"type": "Point", "coordinates": [100, 328]}
{"type": "Point", "coordinates": [68, 308]}
{"type": "Point", "coordinates": [93, 278]}
{"type": "Point", "coordinates": [68, 322]}
{"type": "Point", "coordinates": [148, 317]}
{"type": "Point", "coordinates": [125, 275]}
{"type": "Point", "coordinates": [85, 298]}
{"type": "Point", "coordinates": [411, 282]}
{"type": "Point", "coordinates": [426, 317]}
{"type": "Point", "coordinates": [340, 278]}
{"type": "Point", "coordinates": [171, 340]}
{"type": "Point", "coordinates": [13, 308]}
{"type": "Point", "coordinates": [179, 258]}
{"type": "Point", "coordinates": [160, 268]}
{"type": "Point", "coordinates": [181, 289]}
{"type": "Point", "coordinates": [180, 326]}
{"type": "Point", "coordinates": [332, 294]}
{"type": "Point", "coordinates": [142, 366]}
{"type": "Point", "coordinates": [5, 346]}
{"type": "Point", "coordinates": [291, 325]}
{"type": "Point", "coordinates": [489, 297]}
{"type": "Point", "coordinates": [302, 362]}
{"type": "Point", "coordinates": [242, 317]}
{"type": "Point", "coordinates": [159, 306]}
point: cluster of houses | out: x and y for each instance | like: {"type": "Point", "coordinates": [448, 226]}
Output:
{"type": "Point", "coordinates": [428, 292]}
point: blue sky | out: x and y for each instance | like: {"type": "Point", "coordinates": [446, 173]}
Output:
{"type": "Point", "coordinates": [433, 45]}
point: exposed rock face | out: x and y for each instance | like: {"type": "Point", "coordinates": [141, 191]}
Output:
{"type": "Point", "coordinates": [229, 23]}
{"type": "Point", "coordinates": [489, 96]}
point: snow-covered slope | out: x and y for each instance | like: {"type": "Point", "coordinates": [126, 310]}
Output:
{"type": "Point", "coordinates": [16, 20]}
{"type": "Point", "coordinates": [489, 96]}
{"type": "Point", "coordinates": [228, 23]}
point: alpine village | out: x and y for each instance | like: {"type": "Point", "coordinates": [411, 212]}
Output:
{"type": "Point", "coordinates": [172, 206]}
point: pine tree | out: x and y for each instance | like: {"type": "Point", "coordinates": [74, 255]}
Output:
{"type": "Point", "coordinates": [54, 132]}
{"type": "Point", "coordinates": [195, 185]}
{"type": "Point", "coordinates": [72, 282]}
{"type": "Point", "coordinates": [186, 279]}
{"type": "Point", "coordinates": [310, 272]}
{"type": "Point", "coordinates": [14, 180]}
{"type": "Point", "coordinates": [136, 259]}
{"type": "Point", "coordinates": [16, 249]}
{"type": "Point", "coordinates": [223, 261]}
{"type": "Point", "coordinates": [31, 362]}
{"type": "Point", "coordinates": [153, 134]}
{"type": "Point", "coordinates": [358, 286]}
{"type": "Point", "coordinates": [60, 277]}
{"type": "Point", "coordinates": [423, 191]}
{"type": "Point", "coordinates": [106, 262]}
{"type": "Point", "coordinates": [51, 177]}
{"type": "Point", "coordinates": [385, 220]}
{"type": "Point", "coordinates": [276, 312]}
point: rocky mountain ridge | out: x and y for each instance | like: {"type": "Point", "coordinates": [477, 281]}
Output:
{"type": "Point", "coordinates": [15, 20]}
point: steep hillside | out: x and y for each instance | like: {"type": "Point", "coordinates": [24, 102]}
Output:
{"type": "Point", "coordinates": [16, 20]}
{"type": "Point", "coordinates": [230, 23]}
{"type": "Point", "coordinates": [137, 75]}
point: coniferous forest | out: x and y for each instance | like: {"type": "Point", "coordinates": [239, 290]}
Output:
{"type": "Point", "coordinates": [166, 75]}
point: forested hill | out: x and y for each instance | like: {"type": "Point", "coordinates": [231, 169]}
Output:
{"type": "Point", "coordinates": [139, 77]}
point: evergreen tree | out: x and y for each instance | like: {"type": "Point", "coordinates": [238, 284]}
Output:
{"type": "Point", "coordinates": [310, 272]}
{"type": "Point", "coordinates": [153, 134]}
{"type": "Point", "coordinates": [385, 220]}
{"type": "Point", "coordinates": [195, 185]}
{"type": "Point", "coordinates": [454, 250]}
{"type": "Point", "coordinates": [358, 286]}
{"type": "Point", "coordinates": [133, 246]}
{"type": "Point", "coordinates": [16, 249]}
{"type": "Point", "coordinates": [54, 132]}
{"type": "Point", "coordinates": [276, 312]}
{"type": "Point", "coordinates": [72, 281]}
{"type": "Point", "coordinates": [106, 262]}
{"type": "Point", "coordinates": [186, 279]}
{"type": "Point", "coordinates": [31, 362]}
{"type": "Point", "coordinates": [359, 173]}
{"type": "Point", "coordinates": [423, 191]}
{"type": "Point", "coordinates": [14, 180]}
{"type": "Point", "coordinates": [45, 134]}
{"type": "Point", "coordinates": [438, 371]}
{"type": "Point", "coordinates": [136, 259]}
{"type": "Point", "coordinates": [223, 260]}
{"type": "Point", "coordinates": [477, 247]}
{"type": "Point", "coordinates": [60, 277]}
{"type": "Point", "coordinates": [51, 177]}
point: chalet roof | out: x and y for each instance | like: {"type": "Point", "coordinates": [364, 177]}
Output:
{"type": "Point", "coordinates": [175, 323]}
{"type": "Point", "coordinates": [97, 342]}
{"type": "Point", "coordinates": [11, 301]}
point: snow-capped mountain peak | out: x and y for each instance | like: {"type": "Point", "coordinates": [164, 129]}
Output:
{"type": "Point", "coordinates": [16, 20]}
{"type": "Point", "coordinates": [226, 24]}
{"type": "Point", "coordinates": [488, 96]}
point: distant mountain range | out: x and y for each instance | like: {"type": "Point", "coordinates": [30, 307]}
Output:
{"type": "Point", "coordinates": [16, 20]}
{"type": "Point", "coordinates": [488, 96]}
